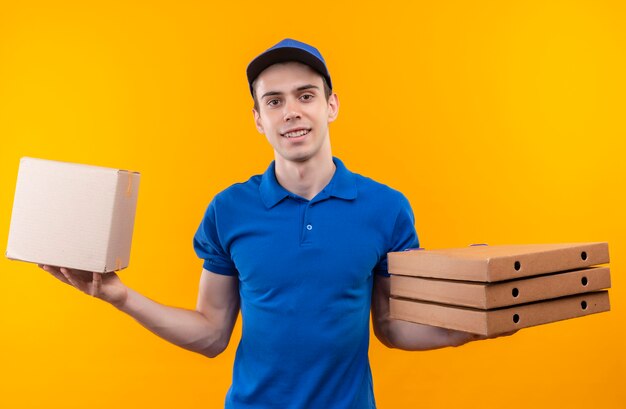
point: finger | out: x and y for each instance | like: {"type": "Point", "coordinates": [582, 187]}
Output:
{"type": "Point", "coordinates": [79, 275]}
{"type": "Point", "coordinates": [70, 278]}
{"type": "Point", "coordinates": [56, 273]}
{"type": "Point", "coordinates": [96, 284]}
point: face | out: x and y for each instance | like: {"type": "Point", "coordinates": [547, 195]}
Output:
{"type": "Point", "coordinates": [293, 111]}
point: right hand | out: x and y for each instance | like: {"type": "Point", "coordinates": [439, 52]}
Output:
{"type": "Point", "coordinates": [106, 286]}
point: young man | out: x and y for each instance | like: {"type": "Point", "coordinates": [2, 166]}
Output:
{"type": "Point", "coordinates": [300, 250]}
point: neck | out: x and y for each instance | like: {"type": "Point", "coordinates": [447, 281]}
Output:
{"type": "Point", "coordinates": [307, 178]}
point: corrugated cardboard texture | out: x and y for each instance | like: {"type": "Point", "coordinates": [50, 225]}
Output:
{"type": "Point", "coordinates": [497, 263]}
{"type": "Point", "coordinates": [502, 320]}
{"type": "Point", "coordinates": [72, 215]}
{"type": "Point", "coordinates": [123, 220]}
{"type": "Point", "coordinates": [500, 294]}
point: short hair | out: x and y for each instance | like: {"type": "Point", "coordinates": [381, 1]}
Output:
{"type": "Point", "coordinates": [327, 92]}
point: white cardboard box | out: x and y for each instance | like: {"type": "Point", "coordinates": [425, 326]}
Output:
{"type": "Point", "coordinates": [73, 215]}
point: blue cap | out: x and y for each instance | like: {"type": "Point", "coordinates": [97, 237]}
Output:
{"type": "Point", "coordinates": [288, 50]}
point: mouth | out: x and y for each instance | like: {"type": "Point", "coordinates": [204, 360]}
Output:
{"type": "Point", "coordinates": [296, 133]}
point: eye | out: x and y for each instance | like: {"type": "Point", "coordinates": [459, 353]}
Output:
{"type": "Point", "coordinates": [273, 102]}
{"type": "Point", "coordinates": [307, 97]}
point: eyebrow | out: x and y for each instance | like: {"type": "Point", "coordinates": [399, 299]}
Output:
{"type": "Point", "coordinates": [301, 88]}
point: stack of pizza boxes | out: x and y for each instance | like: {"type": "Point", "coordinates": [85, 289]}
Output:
{"type": "Point", "coordinates": [490, 290]}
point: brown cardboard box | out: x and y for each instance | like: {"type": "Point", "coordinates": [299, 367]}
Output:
{"type": "Point", "coordinates": [498, 321]}
{"type": "Point", "coordinates": [72, 215]}
{"type": "Point", "coordinates": [500, 294]}
{"type": "Point", "coordinates": [497, 263]}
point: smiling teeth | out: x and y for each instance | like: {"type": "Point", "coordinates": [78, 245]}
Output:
{"type": "Point", "coordinates": [297, 133]}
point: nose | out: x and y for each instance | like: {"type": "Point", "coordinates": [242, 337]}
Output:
{"type": "Point", "coordinates": [291, 111]}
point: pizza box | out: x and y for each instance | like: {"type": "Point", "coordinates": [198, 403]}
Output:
{"type": "Point", "coordinates": [497, 263]}
{"type": "Point", "coordinates": [501, 320]}
{"type": "Point", "coordinates": [502, 293]}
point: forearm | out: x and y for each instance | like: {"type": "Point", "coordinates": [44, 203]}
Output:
{"type": "Point", "coordinates": [188, 329]}
{"type": "Point", "coordinates": [407, 335]}
{"type": "Point", "coordinates": [416, 337]}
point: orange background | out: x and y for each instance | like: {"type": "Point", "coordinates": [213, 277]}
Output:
{"type": "Point", "coordinates": [502, 122]}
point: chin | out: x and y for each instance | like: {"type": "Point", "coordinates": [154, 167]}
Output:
{"type": "Point", "coordinates": [295, 157]}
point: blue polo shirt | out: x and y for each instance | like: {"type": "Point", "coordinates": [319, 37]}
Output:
{"type": "Point", "coordinates": [305, 270]}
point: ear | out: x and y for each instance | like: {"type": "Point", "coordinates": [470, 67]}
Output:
{"type": "Point", "coordinates": [333, 107]}
{"type": "Point", "coordinates": [257, 121]}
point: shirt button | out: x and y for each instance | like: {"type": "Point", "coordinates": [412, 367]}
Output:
{"type": "Point", "coordinates": [309, 227]}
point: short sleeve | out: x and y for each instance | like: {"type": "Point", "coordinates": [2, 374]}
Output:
{"type": "Point", "coordinates": [208, 246]}
{"type": "Point", "coordinates": [404, 236]}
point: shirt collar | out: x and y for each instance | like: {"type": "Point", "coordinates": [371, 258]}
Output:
{"type": "Point", "coordinates": [342, 185]}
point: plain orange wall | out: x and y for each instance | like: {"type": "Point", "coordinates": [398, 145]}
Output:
{"type": "Point", "coordinates": [502, 122]}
